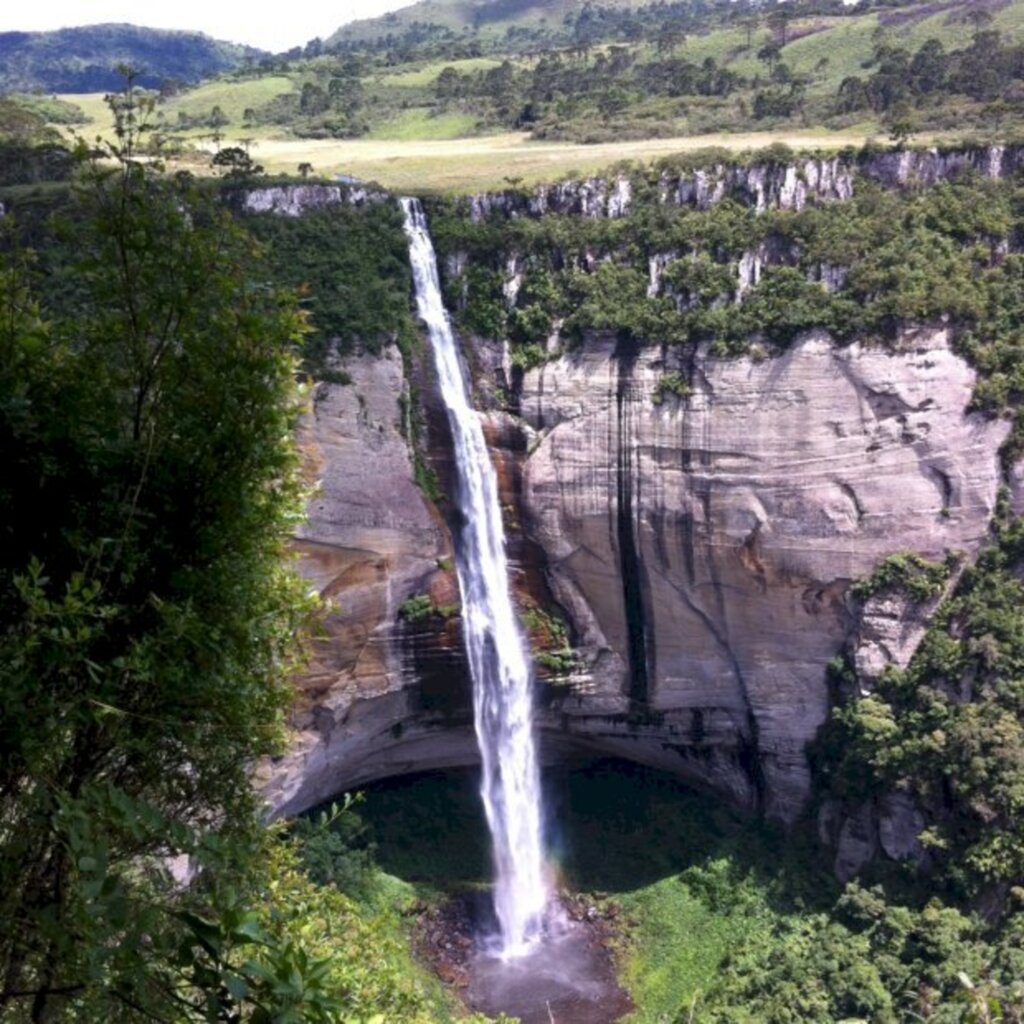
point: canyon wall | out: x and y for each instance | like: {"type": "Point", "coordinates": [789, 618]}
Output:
{"type": "Point", "coordinates": [701, 548]}
{"type": "Point", "coordinates": [787, 184]}
{"type": "Point", "coordinates": [699, 543]}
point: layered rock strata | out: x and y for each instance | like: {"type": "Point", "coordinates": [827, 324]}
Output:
{"type": "Point", "coordinates": [370, 541]}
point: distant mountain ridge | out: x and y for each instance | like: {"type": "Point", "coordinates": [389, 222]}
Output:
{"type": "Point", "coordinates": [85, 59]}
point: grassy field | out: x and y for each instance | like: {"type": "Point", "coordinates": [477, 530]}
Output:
{"type": "Point", "coordinates": [474, 164]}
{"type": "Point", "coordinates": [94, 106]}
{"type": "Point", "coordinates": [427, 73]}
{"type": "Point", "coordinates": [423, 124]}
{"type": "Point", "coordinates": [419, 152]}
{"type": "Point", "coordinates": [843, 47]}
{"type": "Point", "coordinates": [233, 97]}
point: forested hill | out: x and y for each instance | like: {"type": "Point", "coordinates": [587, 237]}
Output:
{"type": "Point", "coordinates": [537, 24]}
{"type": "Point", "coordinates": [85, 59]}
{"type": "Point", "coordinates": [469, 15]}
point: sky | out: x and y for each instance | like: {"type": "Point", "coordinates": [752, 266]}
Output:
{"type": "Point", "coordinates": [270, 26]}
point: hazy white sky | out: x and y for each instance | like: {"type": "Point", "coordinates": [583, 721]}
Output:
{"type": "Point", "coordinates": [271, 26]}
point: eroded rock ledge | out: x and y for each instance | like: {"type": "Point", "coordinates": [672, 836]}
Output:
{"type": "Point", "coordinates": [701, 547]}
{"type": "Point", "coordinates": [761, 185]}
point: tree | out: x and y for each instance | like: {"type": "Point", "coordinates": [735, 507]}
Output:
{"type": "Point", "coordinates": [448, 84]}
{"type": "Point", "coordinates": [305, 169]}
{"type": "Point", "coordinates": [236, 162]}
{"type": "Point", "coordinates": [217, 118]}
{"type": "Point", "coordinates": [778, 22]}
{"type": "Point", "coordinates": [929, 67]}
{"type": "Point", "coordinates": [750, 24]}
{"type": "Point", "coordinates": [670, 37]}
{"type": "Point", "coordinates": [147, 619]}
{"type": "Point", "coordinates": [979, 19]}
{"type": "Point", "coordinates": [313, 99]}
{"type": "Point", "coordinates": [770, 54]}
{"type": "Point", "coordinates": [852, 95]}
{"type": "Point", "coordinates": [900, 124]}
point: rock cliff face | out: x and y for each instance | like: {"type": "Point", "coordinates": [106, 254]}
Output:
{"type": "Point", "coordinates": [704, 545]}
{"type": "Point", "coordinates": [786, 186]}
{"type": "Point", "coordinates": [370, 541]}
{"type": "Point", "coordinates": [295, 200]}
{"type": "Point", "coordinates": [701, 548]}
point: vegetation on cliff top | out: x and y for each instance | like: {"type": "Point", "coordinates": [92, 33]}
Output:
{"type": "Point", "coordinates": [350, 266]}
{"type": "Point", "coordinates": [743, 282]}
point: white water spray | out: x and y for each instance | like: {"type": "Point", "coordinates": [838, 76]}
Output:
{"type": "Point", "coordinates": [501, 675]}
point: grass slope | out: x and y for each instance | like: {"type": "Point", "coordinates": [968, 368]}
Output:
{"type": "Point", "coordinates": [488, 18]}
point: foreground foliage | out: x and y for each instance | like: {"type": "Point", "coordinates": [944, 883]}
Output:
{"type": "Point", "coordinates": [148, 624]}
{"type": "Point", "coordinates": [147, 618]}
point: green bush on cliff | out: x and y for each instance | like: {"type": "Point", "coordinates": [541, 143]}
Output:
{"type": "Point", "coordinates": [950, 727]}
{"type": "Point", "coordinates": [421, 607]}
{"type": "Point", "coordinates": [350, 266]}
{"type": "Point", "coordinates": [908, 572]}
{"type": "Point", "coordinates": [671, 383]}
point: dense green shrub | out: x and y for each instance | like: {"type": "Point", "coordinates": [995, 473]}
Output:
{"type": "Point", "coordinates": [908, 572]}
{"type": "Point", "coordinates": [950, 727]}
{"type": "Point", "coordinates": [150, 479]}
{"type": "Point", "coordinates": [351, 268]}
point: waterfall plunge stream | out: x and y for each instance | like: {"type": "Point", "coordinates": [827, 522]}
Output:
{"type": "Point", "coordinates": [502, 702]}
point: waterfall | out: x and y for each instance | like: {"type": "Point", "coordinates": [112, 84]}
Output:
{"type": "Point", "coordinates": [503, 712]}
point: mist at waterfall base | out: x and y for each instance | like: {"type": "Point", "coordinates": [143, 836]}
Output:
{"type": "Point", "coordinates": [429, 830]}
{"type": "Point", "coordinates": [536, 958]}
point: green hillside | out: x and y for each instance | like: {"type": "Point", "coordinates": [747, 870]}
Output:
{"type": "Point", "coordinates": [598, 75]}
{"type": "Point", "coordinates": [587, 85]}
{"type": "Point", "coordinates": [83, 60]}
{"type": "Point", "coordinates": [487, 18]}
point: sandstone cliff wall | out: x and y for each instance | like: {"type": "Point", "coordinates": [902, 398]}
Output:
{"type": "Point", "coordinates": [370, 541]}
{"type": "Point", "coordinates": [704, 545]}
{"type": "Point", "coordinates": [700, 547]}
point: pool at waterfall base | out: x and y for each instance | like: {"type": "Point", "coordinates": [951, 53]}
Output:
{"type": "Point", "coordinates": [568, 976]}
